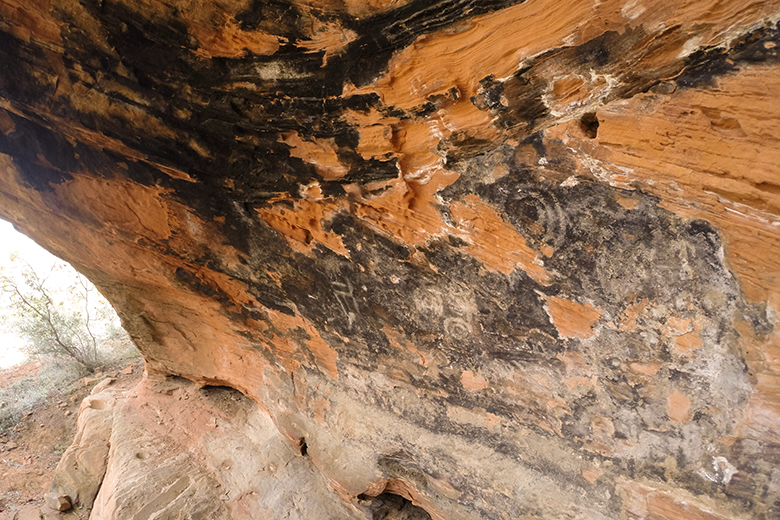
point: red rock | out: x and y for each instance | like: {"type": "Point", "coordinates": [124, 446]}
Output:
{"type": "Point", "coordinates": [502, 259]}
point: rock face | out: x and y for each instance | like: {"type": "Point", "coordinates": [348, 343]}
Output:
{"type": "Point", "coordinates": [81, 470]}
{"type": "Point", "coordinates": [502, 259]}
{"type": "Point", "coordinates": [180, 451]}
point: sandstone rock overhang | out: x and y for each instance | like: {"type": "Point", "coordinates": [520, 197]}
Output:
{"type": "Point", "coordinates": [507, 259]}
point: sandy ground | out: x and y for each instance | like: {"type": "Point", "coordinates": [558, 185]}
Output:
{"type": "Point", "coordinates": [30, 451]}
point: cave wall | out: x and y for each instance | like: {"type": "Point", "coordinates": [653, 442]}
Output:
{"type": "Point", "coordinates": [507, 259]}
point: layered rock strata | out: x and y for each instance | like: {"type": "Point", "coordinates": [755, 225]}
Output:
{"type": "Point", "coordinates": [504, 259]}
{"type": "Point", "coordinates": [181, 451]}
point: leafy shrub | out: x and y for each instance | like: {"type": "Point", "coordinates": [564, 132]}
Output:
{"type": "Point", "coordinates": [56, 319]}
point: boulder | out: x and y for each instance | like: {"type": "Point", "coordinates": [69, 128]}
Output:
{"type": "Point", "coordinates": [80, 472]}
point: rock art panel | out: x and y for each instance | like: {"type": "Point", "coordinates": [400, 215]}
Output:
{"type": "Point", "coordinates": [500, 259]}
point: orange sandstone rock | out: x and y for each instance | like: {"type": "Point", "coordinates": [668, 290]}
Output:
{"type": "Point", "coordinates": [573, 320]}
{"type": "Point", "coordinates": [679, 407]}
{"type": "Point", "coordinates": [466, 259]}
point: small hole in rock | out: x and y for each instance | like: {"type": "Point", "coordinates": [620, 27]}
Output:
{"type": "Point", "coordinates": [225, 398]}
{"type": "Point", "coordinates": [389, 506]}
{"type": "Point", "coordinates": [302, 446]}
{"type": "Point", "coordinates": [221, 392]}
{"type": "Point", "coordinates": [97, 404]}
{"type": "Point", "coordinates": [590, 124]}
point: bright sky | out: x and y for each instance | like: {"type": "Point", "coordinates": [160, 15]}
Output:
{"type": "Point", "coordinates": [13, 241]}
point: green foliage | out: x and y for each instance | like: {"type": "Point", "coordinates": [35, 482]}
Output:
{"type": "Point", "coordinates": [57, 313]}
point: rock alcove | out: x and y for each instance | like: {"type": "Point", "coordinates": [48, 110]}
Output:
{"type": "Point", "coordinates": [498, 259]}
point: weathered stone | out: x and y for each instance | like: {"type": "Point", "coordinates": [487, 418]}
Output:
{"type": "Point", "coordinates": [57, 501]}
{"type": "Point", "coordinates": [98, 388]}
{"type": "Point", "coordinates": [504, 259]}
{"type": "Point", "coordinates": [226, 459]}
{"type": "Point", "coordinates": [80, 472]}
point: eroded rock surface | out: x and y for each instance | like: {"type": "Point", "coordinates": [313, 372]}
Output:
{"type": "Point", "coordinates": [81, 470]}
{"type": "Point", "coordinates": [176, 450]}
{"type": "Point", "coordinates": [504, 259]}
